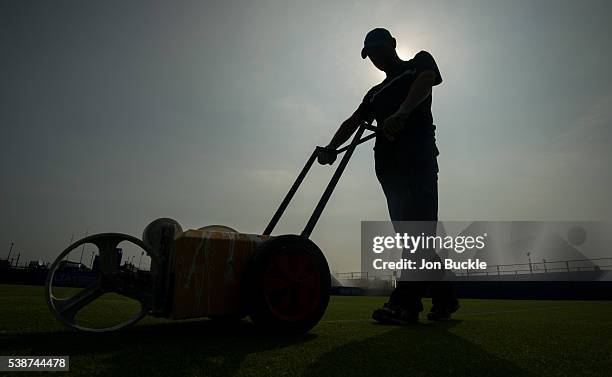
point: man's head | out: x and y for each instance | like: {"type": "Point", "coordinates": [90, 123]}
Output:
{"type": "Point", "coordinates": [379, 46]}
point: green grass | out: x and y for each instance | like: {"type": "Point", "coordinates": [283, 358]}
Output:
{"type": "Point", "coordinates": [486, 338]}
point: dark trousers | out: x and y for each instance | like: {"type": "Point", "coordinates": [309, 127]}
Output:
{"type": "Point", "coordinates": [412, 195]}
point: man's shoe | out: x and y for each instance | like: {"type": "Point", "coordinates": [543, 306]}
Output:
{"type": "Point", "coordinates": [443, 313]}
{"type": "Point", "coordinates": [393, 315]}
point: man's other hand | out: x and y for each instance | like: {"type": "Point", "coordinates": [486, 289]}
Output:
{"type": "Point", "coordinates": [394, 125]}
{"type": "Point", "coordinates": [326, 156]}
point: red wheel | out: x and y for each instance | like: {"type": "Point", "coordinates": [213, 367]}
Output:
{"type": "Point", "coordinates": [288, 285]}
{"type": "Point", "coordinates": [292, 284]}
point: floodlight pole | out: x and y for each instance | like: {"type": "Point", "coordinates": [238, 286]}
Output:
{"type": "Point", "coordinates": [71, 239]}
{"type": "Point", "coordinates": [10, 250]}
{"type": "Point", "coordinates": [83, 249]}
{"type": "Point", "coordinates": [529, 258]}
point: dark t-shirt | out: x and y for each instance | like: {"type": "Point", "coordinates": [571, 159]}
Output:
{"type": "Point", "coordinates": [416, 144]}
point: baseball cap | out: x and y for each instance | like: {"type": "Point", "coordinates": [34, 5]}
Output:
{"type": "Point", "coordinates": [374, 38]}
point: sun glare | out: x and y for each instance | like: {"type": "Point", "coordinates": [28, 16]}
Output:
{"type": "Point", "coordinates": [405, 53]}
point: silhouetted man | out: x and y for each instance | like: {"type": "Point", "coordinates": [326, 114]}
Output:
{"type": "Point", "coordinates": [405, 160]}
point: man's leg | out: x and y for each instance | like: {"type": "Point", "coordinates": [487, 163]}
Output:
{"type": "Point", "coordinates": [425, 194]}
{"type": "Point", "coordinates": [405, 301]}
{"type": "Point", "coordinates": [443, 297]}
{"type": "Point", "coordinates": [414, 197]}
{"type": "Point", "coordinates": [421, 209]}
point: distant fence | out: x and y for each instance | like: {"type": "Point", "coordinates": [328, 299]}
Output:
{"type": "Point", "coordinates": [576, 267]}
{"type": "Point", "coordinates": [359, 275]}
{"type": "Point", "coordinates": [23, 275]}
{"type": "Point", "coordinates": [504, 270]}
{"type": "Point", "coordinates": [569, 280]}
{"type": "Point", "coordinates": [373, 285]}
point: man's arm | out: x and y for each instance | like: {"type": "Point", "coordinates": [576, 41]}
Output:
{"type": "Point", "coordinates": [344, 132]}
{"type": "Point", "coordinates": [420, 90]}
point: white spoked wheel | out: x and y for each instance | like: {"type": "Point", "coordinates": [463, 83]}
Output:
{"type": "Point", "coordinates": [110, 278]}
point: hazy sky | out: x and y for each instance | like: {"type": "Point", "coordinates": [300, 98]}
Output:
{"type": "Point", "coordinates": [118, 112]}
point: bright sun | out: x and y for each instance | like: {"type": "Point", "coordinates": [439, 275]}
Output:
{"type": "Point", "coordinates": [404, 53]}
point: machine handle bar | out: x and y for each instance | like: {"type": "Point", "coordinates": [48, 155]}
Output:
{"type": "Point", "coordinates": [357, 139]}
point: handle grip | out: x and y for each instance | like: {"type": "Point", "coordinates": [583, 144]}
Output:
{"type": "Point", "coordinates": [367, 126]}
